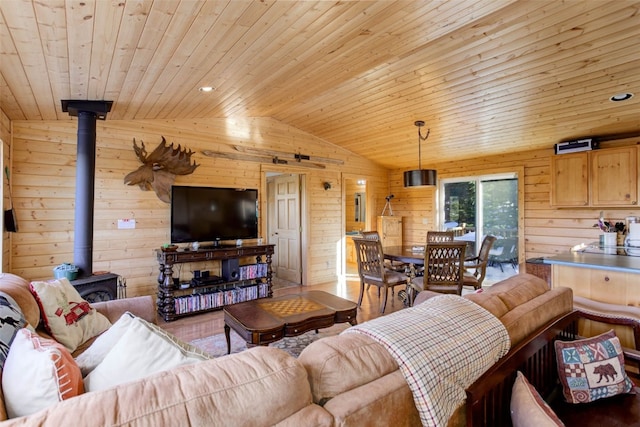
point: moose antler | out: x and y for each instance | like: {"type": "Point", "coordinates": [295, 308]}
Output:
{"type": "Point", "coordinates": [159, 169]}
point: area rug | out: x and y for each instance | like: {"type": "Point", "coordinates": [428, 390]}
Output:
{"type": "Point", "coordinates": [216, 345]}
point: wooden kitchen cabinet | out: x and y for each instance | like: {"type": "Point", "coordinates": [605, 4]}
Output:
{"type": "Point", "coordinates": [570, 179]}
{"type": "Point", "coordinates": [614, 177]}
{"type": "Point", "coordinates": [598, 178]}
{"type": "Point", "coordinates": [390, 230]}
{"type": "Point", "coordinates": [350, 249]}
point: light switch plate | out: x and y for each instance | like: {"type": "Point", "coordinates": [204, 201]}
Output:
{"type": "Point", "coordinates": [126, 223]}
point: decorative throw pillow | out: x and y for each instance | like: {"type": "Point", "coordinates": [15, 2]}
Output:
{"type": "Point", "coordinates": [11, 321]}
{"type": "Point", "coordinates": [38, 372]}
{"type": "Point", "coordinates": [67, 317]}
{"type": "Point", "coordinates": [92, 356]}
{"type": "Point", "coordinates": [592, 368]}
{"type": "Point", "coordinates": [142, 350]}
{"type": "Point", "coordinates": [528, 409]}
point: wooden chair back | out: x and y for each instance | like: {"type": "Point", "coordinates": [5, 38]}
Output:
{"type": "Point", "coordinates": [444, 267]}
{"type": "Point", "coordinates": [372, 271]}
{"type": "Point", "coordinates": [439, 236]}
{"type": "Point", "coordinates": [480, 262]}
{"type": "Point", "coordinates": [370, 235]}
{"type": "Point", "coordinates": [370, 258]}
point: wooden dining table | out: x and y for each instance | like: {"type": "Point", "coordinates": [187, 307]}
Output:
{"type": "Point", "coordinates": [412, 255]}
{"type": "Point", "coordinates": [406, 254]}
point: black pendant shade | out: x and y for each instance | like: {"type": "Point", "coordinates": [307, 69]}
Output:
{"type": "Point", "coordinates": [420, 177]}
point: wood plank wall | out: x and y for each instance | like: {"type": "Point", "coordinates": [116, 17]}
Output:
{"type": "Point", "coordinates": [547, 230]}
{"type": "Point", "coordinates": [44, 181]}
{"type": "Point", "coordinates": [44, 191]}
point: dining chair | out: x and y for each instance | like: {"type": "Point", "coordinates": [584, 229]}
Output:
{"type": "Point", "coordinates": [393, 265]}
{"type": "Point", "coordinates": [372, 271]}
{"type": "Point", "coordinates": [478, 264]}
{"type": "Point", "coordinates": [435, 237]}
{"type": "Point", "coordinates": [439, 236]}
{"type": "Point", "coordinates": [505, 251]}
{"type": "Point", "coordinates": [370, 235]}
{"type": "Point", "coordinates": [444, 269]}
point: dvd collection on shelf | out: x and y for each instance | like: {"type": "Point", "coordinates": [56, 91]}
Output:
{"type": "Point", "coordinates": [209, 298]}
{"type": "Point", "coordinates": [252, 271]}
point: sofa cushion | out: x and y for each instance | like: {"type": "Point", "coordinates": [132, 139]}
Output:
{"type": "Point", "coordinates": [18, 289]}
{"type": "Point", "coordinates": [342, 362]}
{"type": "Point", "coordinates": [519, 289]}
{"type": "Point", "coordinates": [524, 319]}
{"type": "Point", "coordinates": [528, 409]}
{"type": "Point", "coordinates": [261, 386]}
{"type": "Point", "coordinates": [490, 302]}
{"type": "Point", "coordinates": [592, 368]}
{"type": "Point", "coordinates": [39, 372]}
{"type": "Point", "coordinates": [66, 315]}
{"type": "Point", "coordinates": [12, 322]}
{"type": "Point", "coordinates": [143, 349]}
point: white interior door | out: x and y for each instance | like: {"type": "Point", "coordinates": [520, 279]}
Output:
{"type": "Point", "coordinates": [284, 226]}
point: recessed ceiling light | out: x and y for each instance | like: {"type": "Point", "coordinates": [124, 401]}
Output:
{"type": "Point", "coordinates": [206, 89]}
{"type": "Point", "coordinates": [621, 97]}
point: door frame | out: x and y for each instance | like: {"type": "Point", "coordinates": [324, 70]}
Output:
{"type": "Point", "coordinates": [268, 170]}
{"type": "Point", "coordinates": [519, 173]}
{"type": "Point", "coordinates": [369, 218]}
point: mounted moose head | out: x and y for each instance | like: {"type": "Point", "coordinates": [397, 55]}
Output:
{"type": "Point", "coordinates": [159, 169]}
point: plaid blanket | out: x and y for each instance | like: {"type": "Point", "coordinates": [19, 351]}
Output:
{"type": "Point", "coordinates": [441, 346]}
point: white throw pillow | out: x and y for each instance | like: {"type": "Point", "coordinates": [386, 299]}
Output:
{"type": "Point", "coordinates": [38, 372]}
{"type": "Point", "coordinates": [67, 317]}
{"type": "Point", "coordinates": [95, 354]}
{"type": "Point", "coordinates": [143, 349]}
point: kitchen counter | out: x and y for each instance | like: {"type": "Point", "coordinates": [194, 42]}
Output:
{"type": "Point", "coordinates": [599, 277]}
{"type": "Point", "coordinates": [621, 263]}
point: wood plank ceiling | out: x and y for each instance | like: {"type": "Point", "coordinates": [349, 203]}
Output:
{"type": "Point", "coordinates": [488, 77]}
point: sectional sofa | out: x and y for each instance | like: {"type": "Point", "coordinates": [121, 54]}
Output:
{"type": "Point", "coordinates": [337, 381]}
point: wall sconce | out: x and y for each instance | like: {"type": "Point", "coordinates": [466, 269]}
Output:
{"type": "Point", "coordinates": [419, 177]}
{"type": "Point", "coordinates": [327, 185]}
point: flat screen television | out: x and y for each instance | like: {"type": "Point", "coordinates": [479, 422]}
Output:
{"type": "Point", "coordinates": [208, 214]}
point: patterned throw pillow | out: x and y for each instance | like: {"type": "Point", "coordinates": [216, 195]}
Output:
{"type": "Point", "coordinates": [11, 321]}
{"type": "Point", "coordinates": [592, 368]}
{"type": "Point", "coordinates": [66, 315]}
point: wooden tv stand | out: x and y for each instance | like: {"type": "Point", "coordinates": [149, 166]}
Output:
{"type": "Point", "coordinates": [253, 280]}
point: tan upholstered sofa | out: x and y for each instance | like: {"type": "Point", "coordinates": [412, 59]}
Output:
{"type": "Point", "coordinates": [262, 386]}
{"type": "Point", "coordinates": [359, 383]}
{"type": "Point", "coordinates": [342, 380]}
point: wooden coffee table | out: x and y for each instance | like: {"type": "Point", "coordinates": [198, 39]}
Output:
{"type": "Point", "coordinates": [263, 321]}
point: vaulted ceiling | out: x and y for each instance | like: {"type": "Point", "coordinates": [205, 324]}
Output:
{"type": "Point", "coordinates": [487, 77]}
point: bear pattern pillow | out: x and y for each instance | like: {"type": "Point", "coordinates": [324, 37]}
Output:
{"type": "Point", "coordinates": [66, 315]}
{"type": "Point", "coordinates": [592, 368]}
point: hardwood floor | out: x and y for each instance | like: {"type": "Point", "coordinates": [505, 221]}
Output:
{"type": "Point", "coordinates": [207, 324]}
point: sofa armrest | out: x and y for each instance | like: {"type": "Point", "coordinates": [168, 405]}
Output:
{"type": "Point", "coordinates": [140, 306]}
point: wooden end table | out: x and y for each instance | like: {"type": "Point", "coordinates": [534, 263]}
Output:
{"type": "Point", "coordinates": [266, 320]}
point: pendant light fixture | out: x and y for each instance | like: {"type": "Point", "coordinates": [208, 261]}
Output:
{"type": "Point", "coordinates": [420, 177]}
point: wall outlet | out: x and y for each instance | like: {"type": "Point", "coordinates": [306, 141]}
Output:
{"type": "Point", "coordinates": [425, 221]}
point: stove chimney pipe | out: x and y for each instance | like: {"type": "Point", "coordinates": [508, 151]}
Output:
{"type": "Point", "coordinates": [87, 113]}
